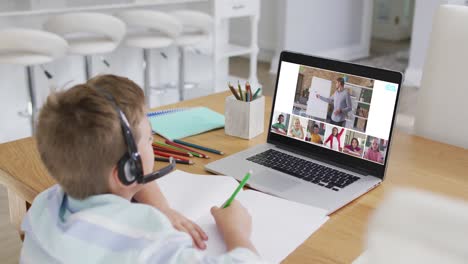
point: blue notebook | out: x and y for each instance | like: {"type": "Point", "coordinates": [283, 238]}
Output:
{"type": "Point", "coordinates": [180, 123]}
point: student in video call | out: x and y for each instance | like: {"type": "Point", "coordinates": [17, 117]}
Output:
{"type": "Point", "coordinates": [296, 129]}
{"type": "Point", "coordinates": [373, 153]}
{"type": "Point", "coordinates": [333, 140]}
{"type": "Point", "coordinates": [280, 127]}
{"type": "Point", "coordinates": [315, 136]}
{"type": "Point", "coordinates": [341, 103]}
{"type": "Point", "coordinates": [353, 148]}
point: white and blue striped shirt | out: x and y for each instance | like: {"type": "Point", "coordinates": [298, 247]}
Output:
{"type": "Point", "coordinates": [108, 229]}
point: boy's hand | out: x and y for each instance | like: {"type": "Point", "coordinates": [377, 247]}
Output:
{"type": "Point", "coordinates": [184, 224]}
{"type": "Point", "coordinates": [234, 219]}
{"type": "Point", "coordinates": [235, 224]}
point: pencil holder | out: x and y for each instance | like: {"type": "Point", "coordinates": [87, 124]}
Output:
{"type": "Point", "coordinates": [244, 119]}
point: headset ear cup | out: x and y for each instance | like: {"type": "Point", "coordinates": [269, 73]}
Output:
{"type": "Point", "coordinates": [126, 170]}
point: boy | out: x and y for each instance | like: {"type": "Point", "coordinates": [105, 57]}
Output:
{"type": "Point", "coordinates": [280, 127]}
{"type": "Point", "coordinates": [89, 217]}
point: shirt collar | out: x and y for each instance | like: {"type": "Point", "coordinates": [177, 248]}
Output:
{"type": "Point", "coordinates": [75, 205]}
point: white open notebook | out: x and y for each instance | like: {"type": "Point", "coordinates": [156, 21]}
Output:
{"type": "Point", "coordinates": [278, 226]}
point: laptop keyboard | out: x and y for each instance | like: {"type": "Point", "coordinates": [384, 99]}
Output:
{"type": "Point", "coordinates": [304, 169]}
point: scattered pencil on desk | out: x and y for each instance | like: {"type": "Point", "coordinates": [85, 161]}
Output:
{"type": "Point", "coordinates": [168, 155]}
{"type": "Point", "coordinates": [194, 153]}
{"type": "Point", "coordinates": [176, 160]}
{"type": "Point", "coordinates": [198, 147]}
{"type": "Point", "coordinates": [168, 150]}
{"type": "Point", "coordinates": [165, 145]}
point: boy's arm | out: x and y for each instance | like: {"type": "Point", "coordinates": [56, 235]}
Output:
{"type": "Point", "coordinates": [175, 249]}
{"type": "Point", "coordinates": [234, 224]}
{"type": "Point", "coordinates": [151, 194]}
{"type": "Point", "coordinates": [234, 240]}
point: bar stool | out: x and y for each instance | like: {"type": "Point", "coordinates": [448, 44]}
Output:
{"type": "Point", "coordinates": [150, 30]}
{"type": "Point", "coordinates": [30, 47]}
{"type": "Point", "coordinates": [88, 34]}
{"type": "Point", "coordinates": [197, 27]}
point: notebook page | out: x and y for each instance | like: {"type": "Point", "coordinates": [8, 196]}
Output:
{"type": "Point", "coordinates": [279, 226]}
{"type": "Point", "coordinates": [193, 195]}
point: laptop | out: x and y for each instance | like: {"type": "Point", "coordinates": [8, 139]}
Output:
{"type": "Point", "coordinates": [329, 134]}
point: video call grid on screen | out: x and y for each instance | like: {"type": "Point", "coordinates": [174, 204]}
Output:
{"type": "Point", "coordinates": [362, 131]}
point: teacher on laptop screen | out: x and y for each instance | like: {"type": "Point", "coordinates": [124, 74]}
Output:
{"type": "Point", "coordinates": [341, 103]}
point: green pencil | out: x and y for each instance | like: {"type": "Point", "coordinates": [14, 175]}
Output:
{"type": "Point", "coordinates": [256, 93]}
{"type": "Point", "coordinates": [241, 185]}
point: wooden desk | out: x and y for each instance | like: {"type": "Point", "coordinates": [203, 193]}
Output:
{"type": "Point", "coordinates": [414, 162]}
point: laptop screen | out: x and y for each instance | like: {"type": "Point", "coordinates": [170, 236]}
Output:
{"type": "Point", "coordinates": [335, 110]}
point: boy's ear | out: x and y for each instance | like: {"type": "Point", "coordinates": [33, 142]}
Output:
{"type": "Point", "coordinates": [114, 182]}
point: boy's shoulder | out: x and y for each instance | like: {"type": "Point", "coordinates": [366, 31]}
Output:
{"type": "Point", "coordinates": [55, 205]}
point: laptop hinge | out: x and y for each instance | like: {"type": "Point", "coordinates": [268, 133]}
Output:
{"type": "Point", "coordinates": [311, 156]}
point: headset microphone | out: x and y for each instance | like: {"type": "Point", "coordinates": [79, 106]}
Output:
{"type": "Point", "coordinates": [159, 173]}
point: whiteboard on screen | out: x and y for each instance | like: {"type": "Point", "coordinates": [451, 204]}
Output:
{"type": "Point", "coordinates": [315, 106]}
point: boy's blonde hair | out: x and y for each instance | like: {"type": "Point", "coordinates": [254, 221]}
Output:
{"type": "Point", "coordinates": [79, 136]}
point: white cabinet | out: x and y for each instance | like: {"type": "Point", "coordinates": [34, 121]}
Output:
{"type": "Point", "coordinates": [224, 11]}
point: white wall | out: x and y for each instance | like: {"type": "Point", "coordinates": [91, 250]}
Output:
{"type": "Point", "coordinates": [322, 27]}
{"type": "Point", "coordinates": [422, 24]}
{"type": "Point", "coordinates": [334, 28]}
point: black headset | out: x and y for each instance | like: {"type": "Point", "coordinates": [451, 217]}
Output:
{"type": "Point", "coordinates": [130, 166]}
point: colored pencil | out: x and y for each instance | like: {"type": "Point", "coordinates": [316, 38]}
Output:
{"type": "Point", "coordinates": [176, 160]}
{"type": "Point", "coordinates": [236, 191]}
{"type": "Point", "coordinates": [240, 91]}
{"type": "Point", "coordinates": [180, 153]}
{"type": "Point", "coordinates": [256, 93]}
{"type": "Point", "coordinates": [233, 91]}
{"type": "Point", "coordinates": [164, 145]}
{"type": "Point", "coordinates": [249, 90]}
{"type": "Point", "coordinates": [198, 147]}
{"type": "Point", "coordinates": [168, 155]}
{"type": "Point", "coordinates": [194, 152]}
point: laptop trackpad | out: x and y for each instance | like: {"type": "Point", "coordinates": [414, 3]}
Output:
{"type": "Point", "coordinates": [272, 180]}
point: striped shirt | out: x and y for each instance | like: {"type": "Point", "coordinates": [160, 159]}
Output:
{"type": "Point", "coordinates": [108, 229]}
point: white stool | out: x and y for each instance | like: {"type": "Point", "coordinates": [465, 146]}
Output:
{"type": "Point", "coordinates": [30, 47]}
{"type": "Point", "coordinates": [197, 27]}
{"type": "Point", "coordinates": [150, 30]}
{"type": "Point", "coordinates": [88, 34]}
